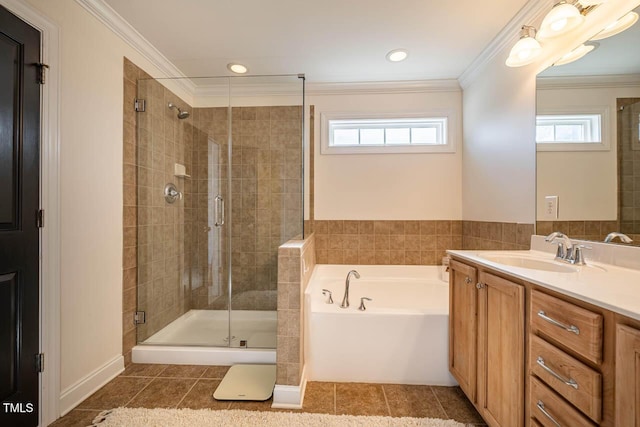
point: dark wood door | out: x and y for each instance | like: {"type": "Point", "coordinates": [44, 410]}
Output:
{"type": "Point", "coordinates": [19, 234]}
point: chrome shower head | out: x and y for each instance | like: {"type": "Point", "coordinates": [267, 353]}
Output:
{"type": "Point", "coordinates": [181, 114]}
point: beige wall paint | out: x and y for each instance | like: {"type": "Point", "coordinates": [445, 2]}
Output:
{"type": "Point", "coordinates": [91, 180]}
{"type": "Point", "coordinates": [586, 182]}
{"type": "Point", "coordinates": [387, 187]}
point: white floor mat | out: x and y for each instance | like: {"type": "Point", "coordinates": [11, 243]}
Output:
{"type": "Point", "coordinates": [247, 382]}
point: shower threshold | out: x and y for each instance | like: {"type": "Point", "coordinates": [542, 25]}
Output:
{"type": "Point", "coordinates": [201, 337]}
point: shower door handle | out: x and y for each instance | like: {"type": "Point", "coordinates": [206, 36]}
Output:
{"type": "Point", "coordinates": [218, 211]}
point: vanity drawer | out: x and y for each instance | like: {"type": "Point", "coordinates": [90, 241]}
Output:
{"type": "Point", "coordinates": [550, 410]}
{"type": "Point", "coordinates": [585, 385]}
{"type": "Point", "coordinates": [574, 327]}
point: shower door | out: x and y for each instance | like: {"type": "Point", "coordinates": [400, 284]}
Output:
{"type": "Point", "coordinates": [182, 183]}
{"type": "Point", "coordinates": [218, 190]}
{"type": "Point", "coordinates": [266, 198]}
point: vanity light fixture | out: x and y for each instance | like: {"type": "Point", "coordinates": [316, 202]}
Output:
{"type": "Point", "coordinates": [575, 54]}
{"type": "Point", "coordinates": [526, 49]}
{"type": "Point", "coordinates": [617, 27]}
{"type": "Point", "coordinates": [237, 68]}
{"type": "Point", "coordinates": [397, 55]}
{"type": "Point", "coordinates": [561, 19]}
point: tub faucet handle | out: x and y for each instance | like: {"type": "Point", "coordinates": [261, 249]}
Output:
{"type": "Point", "coordinates": [362, 307]}
{"type": "Point", "coordinates": [330, 299]}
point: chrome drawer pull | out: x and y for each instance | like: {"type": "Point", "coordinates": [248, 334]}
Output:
{"type": "Point", "coordinates": [540, 406]}
{"type": "Point", "coordinates": [568, 328]}
{"type": "Point", "coordinates": [570, 382]}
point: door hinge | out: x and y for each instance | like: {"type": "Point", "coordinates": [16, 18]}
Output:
{"type": "Point", "coordinates": [42, 73]}
{"type": "Point", "coordinates": [140, 105]}
{"type": "Point", "coordinates": [40, 218]}
{"type": "Point", "coordinates": [139, 318]}
{"type": "Point", "coordinates": [40, 362]}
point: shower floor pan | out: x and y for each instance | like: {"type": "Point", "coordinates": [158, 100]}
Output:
{"type": "Point", "coordinates": [202, 337]}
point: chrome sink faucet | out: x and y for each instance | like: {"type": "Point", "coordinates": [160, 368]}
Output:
{"type": "Point", "coordinates": [623, 237]}
{"type": "Point", "coordinates": [567, 250]}
{"type": "Point", "coordinates": [565, 247]}
{"type": "Point", "coordinates": [345, 299]}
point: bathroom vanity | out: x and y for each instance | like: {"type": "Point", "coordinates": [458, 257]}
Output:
{"type": "Point", "coordinates": [537, 342]}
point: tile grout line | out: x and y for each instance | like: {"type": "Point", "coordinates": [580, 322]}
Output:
{"type": "Point", "coordinates": [386, 401]}
{"type": "Point", "coordinates": [439, 403]}
{"type": "Point", "coordinates": [188, 391]}
{"type": "Point", "coordinates": [141, 390]}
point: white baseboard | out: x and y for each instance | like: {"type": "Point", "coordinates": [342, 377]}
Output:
{"type": "Point", "coordinates": [73, 395]}
{"type": "Point", "coordinates": [290, 396]}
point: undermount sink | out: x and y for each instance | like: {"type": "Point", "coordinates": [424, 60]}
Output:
{"type": "Point", "coordinates": [528, 262]}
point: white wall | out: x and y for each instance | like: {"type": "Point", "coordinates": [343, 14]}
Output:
{"type": "Point", "coordinates": [499, 158]}
{"type": "Point", "coordinates": [91, 111]}
{"type": "Point", "coordinates": [499, 162]}
{"type": "Point", "coordinates": [585, 182]}
{"type": "Point", "coordinates": [392, 186]}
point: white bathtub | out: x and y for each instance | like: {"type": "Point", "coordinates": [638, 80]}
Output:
{"type": "Point", "coordinates": [402, 337]}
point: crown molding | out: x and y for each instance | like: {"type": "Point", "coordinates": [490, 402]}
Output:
{"type": "Point", "coordinates": [588, 82]}
{"type": "Point", "coordinates": [212, 92]}
{"type": "Point", "coordinates": [532, 12]}
{"type": "Point", "coordinates": [116, 23]}
{"type": "Point", "coordinates": [383, 87]}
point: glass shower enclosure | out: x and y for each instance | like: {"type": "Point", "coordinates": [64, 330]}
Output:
{"type": "Point", "coordinates": [219, 189]}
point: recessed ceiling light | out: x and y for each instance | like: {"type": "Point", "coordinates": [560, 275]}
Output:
{"type": "Point", "coordinates": [397, 55]}
{"type": "Point", "coordinates": [237, 68]}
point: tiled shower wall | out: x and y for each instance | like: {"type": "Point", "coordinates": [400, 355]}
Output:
{"type": "Point", "coordinates": [163, 254]}
{"type": "Point", "coordinates": [172, 260]}
{"type": "Point", "coordinates": [266, 193]}
{"type": "Point", "coordinates": [629, 164]}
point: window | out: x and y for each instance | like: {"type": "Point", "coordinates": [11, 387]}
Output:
{"type": "Point", "coordinates": [572, 131]}
{"type": "Point", "coordinates": [344, 134]}
{"type": "Point", "coordinates": [568, 129]}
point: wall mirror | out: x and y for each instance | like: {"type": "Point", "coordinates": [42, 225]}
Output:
{"type": "Point", "coordinates": [588, 147]}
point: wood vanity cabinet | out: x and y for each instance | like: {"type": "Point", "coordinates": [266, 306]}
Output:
{"type": "Point", "coordinates": [627, 376]}
{"type": "Point", "coordinates": [462, 326]}
{"type": "Point", "coordinates": [486, 352]}
{"type": "Point", "coordinates": [526, 355]}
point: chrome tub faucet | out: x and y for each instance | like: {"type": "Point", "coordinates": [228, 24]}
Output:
{"type": "Point", "coordinates": [345, 299]}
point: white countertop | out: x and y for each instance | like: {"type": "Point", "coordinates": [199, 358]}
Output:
{"type": "Point", "coordinates": [606, 285]}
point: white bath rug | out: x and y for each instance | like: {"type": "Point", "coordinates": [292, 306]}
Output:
{"type": "Point", "coordinates": [139, 417]}
{"type": "Point", "coordinates": [247, 382]}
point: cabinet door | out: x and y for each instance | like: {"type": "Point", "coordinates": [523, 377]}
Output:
{"type": "Point", "coordinates": [501, 351]}
{"type": "Point", "coordinates": [463, 326]}
{"type": "Point", "coordinates": [627, 376]}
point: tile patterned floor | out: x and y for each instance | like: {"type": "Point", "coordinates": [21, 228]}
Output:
{"type": "Point", "coordinates": [182, 386]}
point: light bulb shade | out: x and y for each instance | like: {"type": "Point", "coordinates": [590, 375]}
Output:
{"type": "Point", "coordinates": [560, 20]}
{"type": "Point", "coordinates": [524, 52]}
{"type": "Point", "coordinates": [587, 3]}
{"type": "Point", "coordinates": [575, 54]}
{"type": "Point", "coordinates": [617, 27]}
